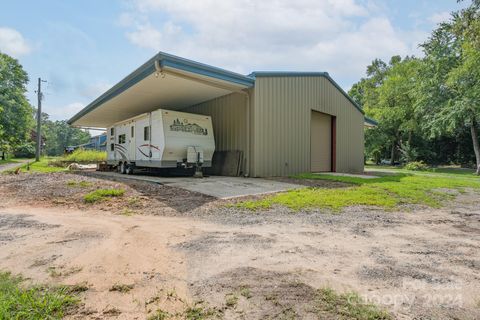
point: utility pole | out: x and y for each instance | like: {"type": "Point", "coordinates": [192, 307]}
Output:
{"type": "Point", "coordinates": [39, 119]}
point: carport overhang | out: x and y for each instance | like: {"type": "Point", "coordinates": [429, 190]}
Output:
{"type": "Point", "coordinates": [165, 81]}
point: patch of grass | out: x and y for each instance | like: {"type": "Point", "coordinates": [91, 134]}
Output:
{"type": "Point", "coordinates": [159, 315]}
{"type": "Point", "coordinates": [245, 292]}
{"type": "Point", "coordinates": [231, 300]}
{"type": "Point", "coordinates": [347, 306]}
{"type": "Point", "coordinates": [123, 288]}
{"type": "Point", "coordinates": [102, 194]}
{"type": "Point", "coordinates": [386, 191]}
{"type": "Point", "coordinates": [127, 212]}
{"type": "Point", "coordinates": [81, 155]}
{"type": "Point", "coordinates": [41, 166]}
{"type": "Point", "coordinates": [6, 161]}
{"type": "Point", "coordinates": [81, 184]}
{"type": "Point", "coordinates": [18, 301]}
{"type": "Point", "coordinates": [199, 312]}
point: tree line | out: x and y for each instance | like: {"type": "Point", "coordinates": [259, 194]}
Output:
{"type": "Point", "coordinates": [17, 118]}
{"type": "Point", "coordinates": [427, 109]}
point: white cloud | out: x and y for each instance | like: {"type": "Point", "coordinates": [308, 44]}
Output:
{"type": "Point", "coordinates": [94, 90]}
{"type": "Point", "coordinates": [438, 17]}
{"type": "Point", "coordinates": [64, 112]}
{"type": "Point", "coordinates": [13, 43]}
{"type": "Point", "coordinates": [338, 36]}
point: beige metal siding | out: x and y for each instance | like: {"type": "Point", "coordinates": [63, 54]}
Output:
{"type": "Point", "coordinates": [229, 119]}
{"type": "Point", "coordinates": [320, 142]}
{"type": "Point", "coordinates": [281, 127]}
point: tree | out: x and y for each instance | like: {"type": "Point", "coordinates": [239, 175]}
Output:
{"type": "Point", "coordinates": [387, 95]}
{"type": "Point", "coordinates": [58, 135]}
{"type": "Point", "coordinates": [16, 114]}
{"type": "Point", "coordinates": [448, 95]}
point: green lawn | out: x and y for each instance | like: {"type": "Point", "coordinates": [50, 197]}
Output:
{"type": "Point", "coordinates": [7, 161]}
{"type": "Point", "coordinates": [40, 166]}
{"type": "Point", "coordinates": [389, 190]}
{"type": "Point", "coordinates": [20, 301]}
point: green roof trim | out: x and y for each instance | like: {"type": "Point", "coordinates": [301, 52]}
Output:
{"type": "Point", "coordinates": [371, 121]}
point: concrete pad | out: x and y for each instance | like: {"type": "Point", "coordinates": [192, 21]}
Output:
{"type": "Point", "coordinates": [216, 186]}
{"type": "Point", "coordinates": [363, 176]}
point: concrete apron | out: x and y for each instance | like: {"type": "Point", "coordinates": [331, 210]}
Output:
{"type": "Point", "coordinates": [220, 187]}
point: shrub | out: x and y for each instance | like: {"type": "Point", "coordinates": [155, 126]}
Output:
{"type": "Point", "coordinates": [81, 155]}
{"type": "Point", "coordinates": [26, 150]}
{"type": "Point", "coordinates": [102, 194]}
{"type": "Point", "coordinates": [416, 166]}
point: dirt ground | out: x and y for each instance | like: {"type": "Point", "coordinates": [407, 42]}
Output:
{"type": "Point", "coordinates": [169, 248]}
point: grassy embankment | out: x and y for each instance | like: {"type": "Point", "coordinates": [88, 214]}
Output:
{"type": "Point", "coordinates": [388, 190]}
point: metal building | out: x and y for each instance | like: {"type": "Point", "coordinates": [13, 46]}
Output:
{"type": "Point", "coordinates": [281, 123]}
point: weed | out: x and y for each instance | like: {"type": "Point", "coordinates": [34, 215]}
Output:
{"type": "Point", "coordinates": [159, 315]}
{"type": "Point", "coordinates": [133, 201]}
{"type": "Point", "coordinates": [102, 194]}
{"type": "Point", "coordinates": [347, 306]}
{"type": "Point", "coordinates": [127, 212]}
{"type": "Point", "coordinates": [54, 272]}
{"type": "Point", "coordinates": [18, 301]}
{"type": "Point", "coordinates": [81, 184]}
{"type": "Point", "coordinates": [245, 292]}
{"type": "Point", "coordinates": [123, 288]}
{"type": "Point", "coordinates": [199, 312]}
{"type": "Point", "coordinates": [231, 300]}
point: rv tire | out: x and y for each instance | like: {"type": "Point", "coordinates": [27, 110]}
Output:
{"type": "Point", "coordinates": [129, 168]}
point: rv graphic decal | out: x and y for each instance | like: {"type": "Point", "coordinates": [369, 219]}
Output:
{"type": "Point", "coordinates": [184, 126]}
{"type": "Point", "coordinates": [149, 155]}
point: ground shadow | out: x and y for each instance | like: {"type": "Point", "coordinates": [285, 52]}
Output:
{"type": "Point", "coordinates": [179, 199]}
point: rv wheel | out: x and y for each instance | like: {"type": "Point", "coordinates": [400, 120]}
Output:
{"type": "Point", "coordinates": [129, 169]}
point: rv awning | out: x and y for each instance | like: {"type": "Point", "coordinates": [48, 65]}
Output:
{"type": "Point", "coordinates": [165, 81]}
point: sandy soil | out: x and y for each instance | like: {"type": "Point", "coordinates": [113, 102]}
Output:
{"type": "Point", "coordinates": [422, 263]}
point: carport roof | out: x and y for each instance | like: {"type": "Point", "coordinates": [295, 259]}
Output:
{"type": "Point", "coordinates": [145, 89]}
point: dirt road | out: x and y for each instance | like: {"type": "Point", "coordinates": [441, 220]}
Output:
{"type": "Point", "coordinates": [422, 263]}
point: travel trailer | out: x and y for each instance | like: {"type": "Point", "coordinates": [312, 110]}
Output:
{"type": "Point", "coordinates": [161, 139]}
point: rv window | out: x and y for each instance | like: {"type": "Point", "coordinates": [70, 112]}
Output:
{"type": "Point", "coordinates": [112, 147]}
{"type": "Point", "coordinates": [121, 139]}
{"type": "Point", "coordinates": [146, 133]}
{"type": "Point", "coordinates": [112, 132]}
{"type": "Point", "coordinates": [133, 131]}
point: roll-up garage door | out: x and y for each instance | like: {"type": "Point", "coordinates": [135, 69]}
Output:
{"type": "Point", "coordinates": [321, 142]}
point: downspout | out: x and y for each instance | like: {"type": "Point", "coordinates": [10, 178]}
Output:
{"type": "Point", "coordinates": [247, 120]}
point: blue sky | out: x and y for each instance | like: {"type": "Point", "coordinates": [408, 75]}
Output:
{"type": "Point", "coordinates": [84, 47]}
